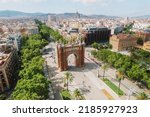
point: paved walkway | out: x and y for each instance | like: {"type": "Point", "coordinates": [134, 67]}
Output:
{"type": "Point", "coordinates": [100, 84]}
{"type": "Point", "coordinates": [92, 87]}
{"type": "Point", "coordinates": [85, 80]}
{"type": "Point", "coordinates": [126, 85]}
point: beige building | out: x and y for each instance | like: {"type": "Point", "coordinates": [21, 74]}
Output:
{"type": "Point", "coordinates": [122, 42]}
{"type": "Point", "coordinates": [146, 46]}
{"type": "Point", "coordinates": [144, 35]}
{"type": "Point", "coordinates": [8, 65]}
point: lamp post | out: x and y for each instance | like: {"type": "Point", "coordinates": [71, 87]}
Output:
{"type": "Point", "coordinates": [130, 92]}
{"type": "Point", "coordinates": [98, 73]}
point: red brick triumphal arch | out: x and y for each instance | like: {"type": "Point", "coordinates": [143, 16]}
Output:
{"type": "Point", "coordinates": [64, 51]}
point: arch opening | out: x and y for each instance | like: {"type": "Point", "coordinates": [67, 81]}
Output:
{"type": "Point", "coordinates": [72, 61]}
{"type": "Point", "coordinates": [68, 56]}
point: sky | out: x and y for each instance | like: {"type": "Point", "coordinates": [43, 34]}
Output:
{"type": "Point", "coordinates": [100, 7]}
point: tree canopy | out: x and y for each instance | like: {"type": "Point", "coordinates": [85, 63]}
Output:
{"type": "Point", "coordinates": [32, 84]}
{"type": "Point", "coordinates": [131, 68]}
{"type": "Point", "coordinates": [49, 33]}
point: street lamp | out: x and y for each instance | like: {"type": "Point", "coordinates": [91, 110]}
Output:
{"type": "Point", "coordinates": [130, 92]}
{"type": "Point", "coordinates": [98, 74]}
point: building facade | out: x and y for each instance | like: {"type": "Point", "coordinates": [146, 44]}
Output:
{"type": "Point", "coordinates": [33, 30]}
{"type": "Point", "coordinates": [64, 51]}
{"type": "Point", "coordinates": [15, 40]}
{"type": "Point", "coordinates": [98, 35]}
{"type": "Point", "coordinates": [145, 35]}
{"type": "Point", "coordinates": [123, 42]}
{"type": "Point", "coordinates": [146, 46]}
{"type": "Point", "coordinates": [8, 67]}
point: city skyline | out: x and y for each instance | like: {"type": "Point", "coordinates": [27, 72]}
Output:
{"type": "Point", "coordinates": [122, 8]}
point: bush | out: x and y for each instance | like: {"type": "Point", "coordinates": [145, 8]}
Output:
{"type": "Point", "coordinates": [3, 97]}
{"type": "Point", "coordinates": [66, 95]}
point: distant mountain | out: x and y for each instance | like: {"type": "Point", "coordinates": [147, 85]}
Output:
{"type": "Point", "coordinates": [9, 13]}
{"type": "Point", "coordinates": [103, 16]}
{"type": "Point", "coordinates": [70, 15]}
{"type": "Point", "coordinates": [74, 15]}
{"type": "Point", "coordinates": [143, 17]}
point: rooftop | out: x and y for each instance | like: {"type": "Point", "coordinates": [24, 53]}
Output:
{"type": "Point", "coordinates": [123, 36]}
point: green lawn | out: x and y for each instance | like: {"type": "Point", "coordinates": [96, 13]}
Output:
{"type": "Point", "coordinates": [66, 95]}
{"type": "Point", "coordinates": [113, 87]}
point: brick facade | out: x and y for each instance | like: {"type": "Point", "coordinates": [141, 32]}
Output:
{"type": "Point", "coordinates": [123, 42]}
{"type": "Point", "coordinates": [64, 51]}
{"type": "Point", "coordinates": [145, 36]}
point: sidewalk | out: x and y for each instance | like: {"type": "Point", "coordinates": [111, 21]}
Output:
{"type": "Point", "coordinates": [126, 85]}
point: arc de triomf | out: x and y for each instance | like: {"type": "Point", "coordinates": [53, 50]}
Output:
{"type": "Point", "coordinates": [64, 51]}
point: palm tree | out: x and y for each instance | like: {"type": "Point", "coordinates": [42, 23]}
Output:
{"type": "Point", "coordinates": [120, 76]}
{"type": "Point", "coordinates": [67, 78]}
{"type": "Point", "coordinates": [77, 94]}
{"type": "Point", "coordinates": [104, 67]}
{"type": "Point", "coordinates": [142, 96]}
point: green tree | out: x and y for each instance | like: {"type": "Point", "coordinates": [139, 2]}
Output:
{"type": "Point", "coordinates": [68, 78]}
{"type": "Point", "coordinates": [45, 32]}
{"type": "Point", "coordinates": [135, 67]}
{"type": "Point", "coordinates": [142, 96]}
{"type": "Point", "coordinates": [66, 95]}
{"type": "Point", "coordinates": [140, 41]}
{"type": "Point", "coordinates": [95, 45]}
{"type": "Point", "coordinates": [25, 95]}
{"type": "Point", "coordinates": [134, 72]}
{"type": "Point", "coordinates": [33, 67]}
{"type": "Point", "coordinates": [32, 84]}
{"type": "Point", "coordinates": [104, 67]}
{"type": "Point", "coordinates": [94, 53]}
{"type": "Point", "coordinates": [120, 77]}
{"type": "Point", "coordinates": [77, 94]}
{"type": "Point", "coordinates": [36, 85]}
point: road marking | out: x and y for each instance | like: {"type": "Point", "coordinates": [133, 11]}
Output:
{"type": "Point", "coordinates": [107, 94]}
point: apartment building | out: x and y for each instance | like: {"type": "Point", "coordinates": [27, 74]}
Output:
{"type": "Point", "coordinates": [144, 34]}
{"type": "Point", "coordinates": [15, 40]}
{"type": "Point", "coordinates": [122, 42]}
{"type": "Point", "coordinates": [8, 66]}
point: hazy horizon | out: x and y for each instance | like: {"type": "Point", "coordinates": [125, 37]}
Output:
{"type": "Point", "coordinates": [122, 8]}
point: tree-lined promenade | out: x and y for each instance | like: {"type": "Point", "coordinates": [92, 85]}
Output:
{"type": "Point", "coordinates": [32, 84]}
{"type": "Point", "coordinates": [47, 32]}
{"type": "Point", "coordinates": [128, 65]}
